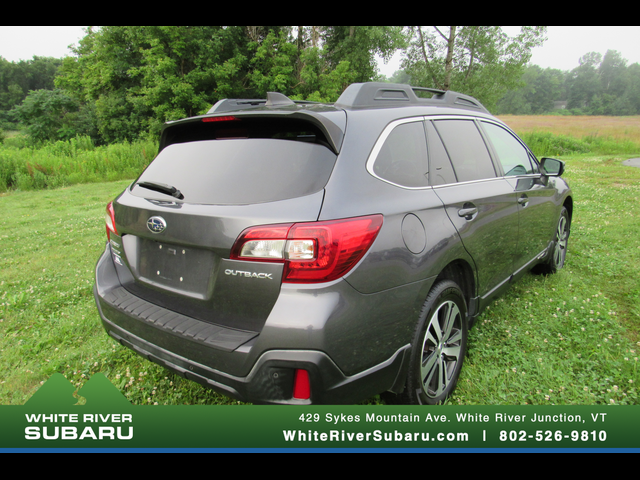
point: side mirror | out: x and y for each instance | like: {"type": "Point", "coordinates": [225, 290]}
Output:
{"type": "Point", "coordinates": [552, 167]}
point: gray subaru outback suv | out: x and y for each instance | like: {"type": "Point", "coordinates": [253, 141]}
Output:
{"type": "Point", "coordinates": [295, 253]}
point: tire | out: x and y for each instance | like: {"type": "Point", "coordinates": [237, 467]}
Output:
{"type": "Point", "coordinates": [438, 348]}
{"type": "Point", "coordinates": [560, 243]}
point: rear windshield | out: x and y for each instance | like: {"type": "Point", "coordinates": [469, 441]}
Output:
{"type": "Point", "coordinates": [236, 170]}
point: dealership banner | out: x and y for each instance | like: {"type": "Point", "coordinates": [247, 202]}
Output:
{"type": "Point", "coordinates": [51, 420]}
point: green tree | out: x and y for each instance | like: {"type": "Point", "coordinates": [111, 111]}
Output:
{"type": "Point", "coordinates": [135, 78]}
{"type": "Point", "coordinates": [44, 114]}
{"type": "Point", "coordinates": [142, 76]}
{"type": "Point", "coordinates": [98, 76]}
{"type": "Point", "coordinates": [583, 83]}
{"type": "Point", "coordinates": [613, 73]}
{"type": "Point", "coordinates": [318, 62]}
{"type": "Point", "coordinates": [478, 60]}
{"type": "Point", "coordinates": [358, 45]}
{"type": "Point", "coordinates": [614, 83]}
{"type": "Point", "coordinates": [631, 97]}
{"type": "Point", "coordinates": [400, 76]}
{"type": "Point", "coordinates": [18, 78]}
{"type": "Point", "coordinates": [604, 85]}
{"type": "Point", "coordinates": [541, 88]}
{"type": "Point", "coordinates": [273, 63]}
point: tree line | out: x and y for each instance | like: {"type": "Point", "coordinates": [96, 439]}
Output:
{"type": "Point", "coordinates": [17, 79]}
{"type": "Point", "coordinates": [599, 85]}
{"type": "Point", "coordinates": [123, 82]}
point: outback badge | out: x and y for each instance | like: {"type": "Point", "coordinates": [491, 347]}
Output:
{"type": "Point", "coordinates": [156, 224]}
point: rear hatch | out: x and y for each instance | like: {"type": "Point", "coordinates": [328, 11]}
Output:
{"type": "Point", "coordinates": [214, 177]}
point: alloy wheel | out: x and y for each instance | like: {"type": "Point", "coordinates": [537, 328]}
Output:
{"type": "Point", "coordinates": [442, 349]}
{"type": "Point", "coordinates": [562, 235]}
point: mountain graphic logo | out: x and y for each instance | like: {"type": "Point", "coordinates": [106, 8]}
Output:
{"type": "Point", "coordinates": [54, 413]}
{"type": "Point", "coordinates": [57, 392]}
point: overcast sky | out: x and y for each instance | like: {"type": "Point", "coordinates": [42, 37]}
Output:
{"type": "Point", "coordinates": [565, 45]}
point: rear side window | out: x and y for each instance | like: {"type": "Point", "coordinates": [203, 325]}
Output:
{"type": "Point", "coordinates": [402, 159]}
{"type": "Point", "coordinates": [466, 148]}
{"type": "Point", "coordinates": [440, 169]}
{"type": "Point", "coordinates": [236, 165]}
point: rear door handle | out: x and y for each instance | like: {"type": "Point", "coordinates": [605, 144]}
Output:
{"type": "Point", "coordinates": [523, 200]}
{"type": "Point", "coordinates": [467, 212]}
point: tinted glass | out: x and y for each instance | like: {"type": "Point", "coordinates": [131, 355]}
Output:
{"type": "Point", "coordinates": [466, 148]}
{"type": "Point", "coordinates": [512, 155]}
{"type": "Point", "coordinates": [403, 157]}
{"type": "Point", "coordinates": [239, 171]}
{"type": "Point", "coordinates": [244, 127]}
{"type": "Point", "coordinates": [440, 169]}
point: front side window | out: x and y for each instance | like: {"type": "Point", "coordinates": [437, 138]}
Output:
{"type": "Point", "coordinates": [514, 158]}
{"type": "Point", "coordinates": [402, 158]}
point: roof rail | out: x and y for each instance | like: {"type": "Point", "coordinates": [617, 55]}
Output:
{"type": "Point", "coordinates": [376, 94]}
{"type": "Point", "coordinates": [362, 95]}
{"type": "Point", "coordinates": [273, 100]}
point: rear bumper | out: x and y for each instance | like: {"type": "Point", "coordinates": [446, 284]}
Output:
{"type": "Point", "coordinates": [233, 362]}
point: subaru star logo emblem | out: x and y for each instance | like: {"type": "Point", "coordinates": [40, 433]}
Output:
{"type": "Point", "coordinates": [156, 224]}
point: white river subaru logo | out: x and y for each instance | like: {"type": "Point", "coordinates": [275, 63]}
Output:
{"type": "Point", "coordinates": [156, 224]}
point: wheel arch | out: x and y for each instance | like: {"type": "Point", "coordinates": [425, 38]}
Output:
{"type": "Point", "coordinates": [461, 272]}
{"type": "Point", "coordinates": [568, 204]}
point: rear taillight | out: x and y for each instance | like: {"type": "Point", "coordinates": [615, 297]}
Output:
{"type": "Point", "coordinates": [312, 252]}
{"type": "Point", "coordinates": [110, 220]}
{"type": "Point", "coordinates": [263, 243]}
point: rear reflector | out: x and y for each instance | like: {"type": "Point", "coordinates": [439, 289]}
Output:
{"type": "Point", "coordinates": [312, 252]}
{"type": "Point", "coordinates": [301, 386]}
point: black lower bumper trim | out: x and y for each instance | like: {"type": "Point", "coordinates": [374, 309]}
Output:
{"type": "Point", "coordinates": [270, 381]}
{"type": "Point", "coordinates": [208, 334]}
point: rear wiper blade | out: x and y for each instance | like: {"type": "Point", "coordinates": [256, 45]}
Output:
{"type": "Point", "coordinates": [162, 188]}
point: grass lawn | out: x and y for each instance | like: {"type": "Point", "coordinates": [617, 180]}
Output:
{"type": "Point", "coordinates": [570, 338]}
